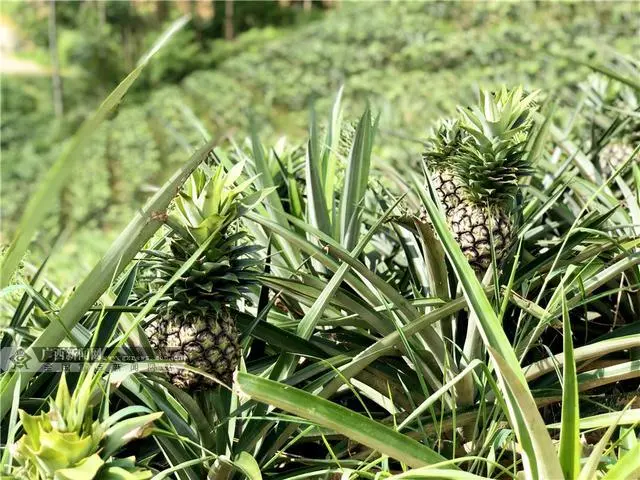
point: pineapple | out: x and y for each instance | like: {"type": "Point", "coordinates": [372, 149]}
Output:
{"type": "Point", "coordinates": [613, 155]}
{"type": "Point", "coordinates": [609, 99]}
{"type": "Point", "coordinates": [441, 147]}
{"type": "Point", "coordinates": [476, 162]}
{"type": "Point", "coordinates": [195, 322]}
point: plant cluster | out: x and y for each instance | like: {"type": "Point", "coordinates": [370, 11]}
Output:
{"type": "Point", "coordinates": [328, 319]}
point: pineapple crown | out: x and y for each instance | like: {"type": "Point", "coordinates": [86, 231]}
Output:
{"type": "Point", "coordinates": [445, 141]}
{"type": "Point", "coordinates": [66, 441]}
{"type": "Point", "coordinates": [206, 211]}
{"type": "Point", "coordinates": [605, 95]}
{"type": "Point", "coordinates": [599, 90]}
{"type": "Point", "coordinates": [492, 158]}
{"type": "Point", "coordinates": [208, 203]}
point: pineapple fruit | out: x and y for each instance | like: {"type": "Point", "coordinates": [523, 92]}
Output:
{"type": "Point", "coordinates": [195, 322]}
{"type": "Point", "coordinates": [476, 162]}
{"type": "Point", "coordinates": [615, 154]}
{"type": "Point", "coordinates": [441, 147]}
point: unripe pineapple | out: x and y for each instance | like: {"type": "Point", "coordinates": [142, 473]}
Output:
{"type": "Point", "coordinates": [470, 223]}
{"type": "Point", "coordinates": [207, 341]}
{"type": "Point", "coordinates": [476, 162]}
{"type": "Point", "coordinates": [195, 322]}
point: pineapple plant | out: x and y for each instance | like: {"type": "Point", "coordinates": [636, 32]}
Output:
{"type": "Point", "coordinates": [476, 162]}
{"type": "Point", "coordinates": [69, 442]}
{"type": "Point", "coordinates": [607, 97]}
{"type": "Point", "coordinates": [195, 322]}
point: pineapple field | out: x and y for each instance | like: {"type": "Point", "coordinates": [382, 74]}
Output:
{"type": "Point", "coordinates": [395, 240]}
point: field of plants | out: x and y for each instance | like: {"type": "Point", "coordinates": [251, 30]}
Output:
{"type": "Point", "coordinates": [390, 240]}
{"type": "Point", "coordinates": [413, 62]}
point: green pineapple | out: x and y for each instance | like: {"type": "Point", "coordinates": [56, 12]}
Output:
{"type": "Point", "coordinates": [195, 322]}
{"type": "Point", "coordinates": [476, 163]}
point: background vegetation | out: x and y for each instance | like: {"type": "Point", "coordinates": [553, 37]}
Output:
{"type": "Point", "coordinates": [413, 61]}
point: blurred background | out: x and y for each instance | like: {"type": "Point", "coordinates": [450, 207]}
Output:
{"type": "Point", "coordinates": [238, 63]}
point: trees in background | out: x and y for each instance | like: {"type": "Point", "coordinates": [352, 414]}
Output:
{"type": "Point", "coordinates": [66, 203]}
{"type": "Point", "coordinates": [99, 41]}
{"type": "Point", "coordinates": [87, 47]}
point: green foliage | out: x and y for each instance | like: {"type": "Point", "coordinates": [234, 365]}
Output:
{"type": "Point", "coordinates": [491, 161]}
{"type": "Point", "coordinates": [370, 346]}
{"type": "Point", "coordinates": [69, 442]}
{"type": "Point", "coordinates": [387, 56]}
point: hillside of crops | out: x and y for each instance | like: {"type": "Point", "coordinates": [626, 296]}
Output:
{"type": "Point", "coordinates": [412, 62]}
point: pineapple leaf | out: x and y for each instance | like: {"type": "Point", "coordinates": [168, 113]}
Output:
{"type": "Point", "coordinates": [126, 431]}
{"type": "Point", "coordinates": [340, 419]}
{"type": "Point", "coordinates": [356, 179]}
